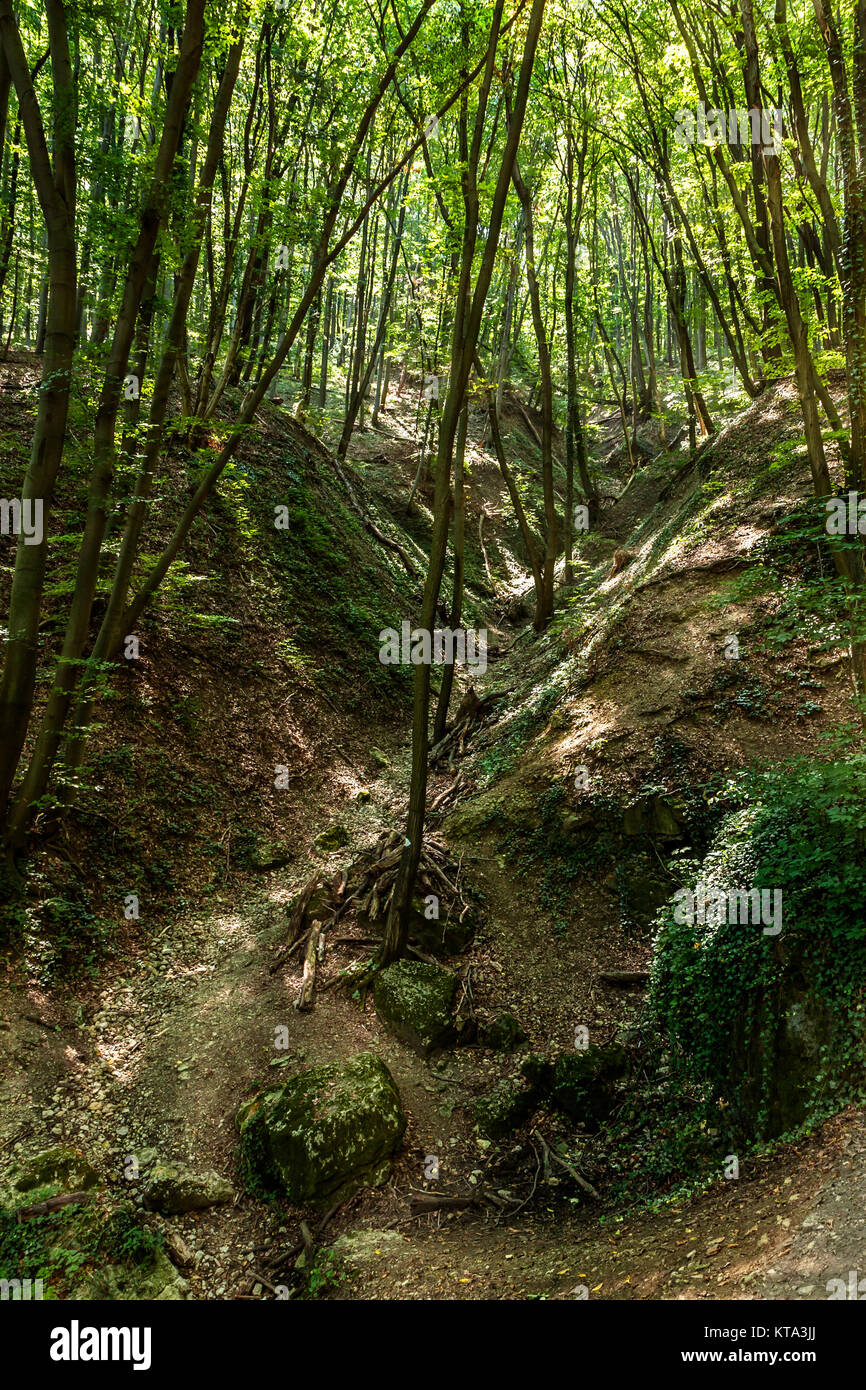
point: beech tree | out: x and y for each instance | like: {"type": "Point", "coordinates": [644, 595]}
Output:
{"type": "Point", "coordinates": [544, 212]}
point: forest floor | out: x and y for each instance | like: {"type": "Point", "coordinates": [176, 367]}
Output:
{"type": "Point", "coordinates": [158, 1048]}
{"type": "Point", "coordinates": [165, 1052]}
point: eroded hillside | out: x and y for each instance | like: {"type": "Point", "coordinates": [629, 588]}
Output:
{"type": "Point", "coordinates": [562, 811]}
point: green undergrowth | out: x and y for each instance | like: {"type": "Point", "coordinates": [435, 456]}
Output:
{"type": "Point", "coordinates": [62, 1247]}
{"type": "Point", "coordinates": [723, 990]}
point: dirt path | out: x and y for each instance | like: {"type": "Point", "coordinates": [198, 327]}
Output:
{"type": "Point", "coordinates": [782, 1231]}
{"type": "Point", "coordinates": [830, 1242]}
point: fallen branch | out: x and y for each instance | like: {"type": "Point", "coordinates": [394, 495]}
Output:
{"type": "Point", "coordinates": [445, 796]}
{"type": "Point", "coordinates": [304, 1002]}
{"type": "Point", "coordinates": [469, 716]}
{"type": "Point", "coordinates": [483, 547]}
{"type": "Point", "coordinates": [260, 1279]}
{"type": "Point", "coordinates": [371, 526]}
{"type": "Point", "coordinates": [306, 1237]}
{"type": "Point", "coordinates": [533, 432]}
{"type": "Point", "coordinates": [578, 1177]}
{"type": "Point", "coordinates": [52, 1204]}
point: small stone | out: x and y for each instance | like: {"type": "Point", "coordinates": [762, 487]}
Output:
{"type": "Point", "coordinates": [172, 1188]}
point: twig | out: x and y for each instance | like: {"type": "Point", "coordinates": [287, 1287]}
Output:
{"type": "Point", "coordinates": [528, 1199]}
{"type": "Point", "coordinates": [581, 1181]}
{"type": "Point", "coordinates": [260, 1279]}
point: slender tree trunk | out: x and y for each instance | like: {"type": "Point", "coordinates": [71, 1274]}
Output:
{"type": "Point", "coordinates": [467, 326]}
{"type": "Point", "coordinates": [456, 614]}
{"type": "Point", "coordinates": [55, 187]}
{"type": "Point", "coordinates": [544, 610]}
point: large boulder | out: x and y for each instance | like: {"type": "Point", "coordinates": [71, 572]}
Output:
{"type": "Point", "coordinates": [760, 958]}
{"type": "Point", "coordinates": [325, 1132]}
{"type": "Point", "coordinates": [415, 1000]}
{"type": "Point", "coordinates": [771, 1078]}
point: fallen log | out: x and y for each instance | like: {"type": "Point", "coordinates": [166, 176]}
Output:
{"type": "Point", "coordinates": [68, 1199]}
{"type": "Point", "coordinates": [435, 1201]}
{"type": "Point", "coordinates": [296, 921]}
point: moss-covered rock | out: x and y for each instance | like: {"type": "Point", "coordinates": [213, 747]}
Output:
{"type": "Point", "coordinates": [659, 816]}
{"type": "Point", "coordinates": [538, 1071]}
{"type": "Point", "coordinates": [644, 887]}
{"type": "Point", "coordinates": [510, 804]}
{"type": "Point", "coordinates": [771, 1074]}
{"type": "Point", "coordinates": [271, 854]}
{"type": "Point", "coordinates": [326, 1131]}
{"type": "Point", "coordinates": [155, 1281]}
{"type": "Point", "coordinates": [503, 1034]}
{"type": "Point", "coordinates": [359, 1248]}
{"type": "Point", "coordinates": [335, 837]}
{"type": "Point", "coordinates": [50, 1174]}
{"type": "Point", "coordinates": [759, 961]}
{"type": "Point", "coordinates": [504, 1109]}
{"type": "Point", "coordinates": [583, 1083]}
{"type": "Point", "coordinates": [173, 1188]}
{"type": "Point", "coordinates": [415, 1001]}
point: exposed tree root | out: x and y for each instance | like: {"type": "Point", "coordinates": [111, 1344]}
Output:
{"type": "Point", "coordinates": [469, 717]}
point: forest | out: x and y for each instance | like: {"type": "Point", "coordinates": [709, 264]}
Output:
{"type": "Point", "coordinates": [433, 662]}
